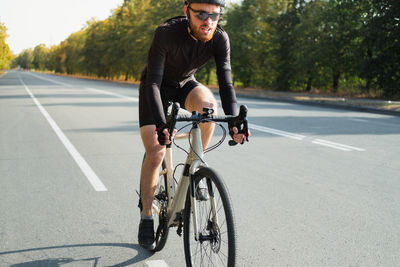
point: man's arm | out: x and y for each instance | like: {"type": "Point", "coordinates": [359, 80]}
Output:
{"type": "Point", "coordinates": [155, 70]}
{"type": "Point", "coordinates": [223, 64]}
{"type": "Point", "coordinates": [226, 89]}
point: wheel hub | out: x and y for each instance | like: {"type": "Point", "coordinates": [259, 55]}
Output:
{"type": "Point", "coordinates": [213, 236]}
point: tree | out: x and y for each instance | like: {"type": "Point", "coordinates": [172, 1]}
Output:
{"type": "Point", "coordinates": [135, 36]}
{"type": "Point", "coordinates": [40, 57]}
{"type": "Point", "coordinates": [5, 53]}
{"type": "Point", "coordinates": [73, 49]}
{"type": "Point", "coordinates": [94, 48]}
{"type": "Point", "coordinates": [285, 25]}
{"type": "Point", "coordinates": [252, 41]}
{"type": "Point", "coordinates": [137, 20]}
{"type": "Point", "coordinates": [382, 42]}
{"type": "Point", "coordinates": [239, 25]}
{"type": "Point", "coordinates": [25, 59]}
{"type": "Point", "coordinates": [340, 27]}
{"type": "Point", "coordinates": [307, 53]}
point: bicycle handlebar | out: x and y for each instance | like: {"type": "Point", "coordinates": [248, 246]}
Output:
{"type": "Point", "coordinates": [178, 114]}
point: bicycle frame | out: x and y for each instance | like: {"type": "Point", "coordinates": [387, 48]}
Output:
{"type": "Point", "coordinates": [177, 198]}
{"type": "Point", "coordinates": [194, 203]}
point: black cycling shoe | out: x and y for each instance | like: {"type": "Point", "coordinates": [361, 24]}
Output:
{"type": "Point", "coordinates": [146, 234]}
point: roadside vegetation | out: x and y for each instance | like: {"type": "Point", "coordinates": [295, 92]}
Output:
{"type": "Point", "coordinates": [348, 47]}
{"type": "Point", "coordinates": [5, 53]}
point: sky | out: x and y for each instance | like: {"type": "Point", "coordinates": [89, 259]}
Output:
{"type": "Point", "coordinates": [49, 22]}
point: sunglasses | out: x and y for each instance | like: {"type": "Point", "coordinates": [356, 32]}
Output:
{"type": "Point", "coordinates": [202, 15]}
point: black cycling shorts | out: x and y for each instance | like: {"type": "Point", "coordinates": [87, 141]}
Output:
{"type": "Point", "coordinates": [168, 93]}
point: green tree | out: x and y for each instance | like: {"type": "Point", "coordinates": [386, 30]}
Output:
{"type": "Point", "coordinates": [40, 57]}
{"type": "Point", "coordinates": [94, 49]}
{"type": "Point", "coordinates": [25, 59]}
{"type": "Point", "coordinates": [73, 49]}
{"type": "Point", "coordinates": [285, 25]}
{"type": "Point", "coordinates": [327, 37]}
{"type": "Point", "coordinates": [340, 28]}
{"type": "Point", "coordinates": [239, 25]}
{"type": "Point", "coordinates": [382, 43]}
{"type": "Point", "coordinates": [253, 44]}
{"type": "Point", "coordinates": [137, 20]}
{"type": "Point", "coordinates": [51, 62]}
{"type": "Point", "coordinates": [58, 57]}
{"type": "Point", "coordinates": [307, 53]}
{"type": "Point", "coordinates": [5, 53]}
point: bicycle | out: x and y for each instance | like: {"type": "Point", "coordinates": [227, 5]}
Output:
{"type": "Point", "coordinates": [199, 202]}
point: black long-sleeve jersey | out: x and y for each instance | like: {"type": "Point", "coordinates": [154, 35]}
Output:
{"type": "Point", "coordinates": [175, 56]}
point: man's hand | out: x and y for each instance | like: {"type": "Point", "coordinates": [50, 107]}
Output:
{"type": "Point", "coordinates": [238, 137]}
{"type": "Point", "coordinates": [163, 135]}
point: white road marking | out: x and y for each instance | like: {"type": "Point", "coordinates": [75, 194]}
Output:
{"type": "Point", "coordinates": [276, 132]}
{"type": "Point", "coordinates": [156, 263]}
{"type": "Point", "coordinates": [133, 99]}
{"type": "Point", "coordinates": [358, 120]}
{"type": "Point", "coordinates": [336, 145]}
{"type": "Point", "coordinates": [83, 165]}
{"type": "Point", "coordinates": [50, 80]}
{"type": "Point", "coordinates": [302, 137]}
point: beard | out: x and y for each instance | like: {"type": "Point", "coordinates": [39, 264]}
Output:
{"type": "Point", "coordinates": [203, 32]}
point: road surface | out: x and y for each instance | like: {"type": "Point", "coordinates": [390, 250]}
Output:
{"type": "Point", "coordinates": [313, 187]}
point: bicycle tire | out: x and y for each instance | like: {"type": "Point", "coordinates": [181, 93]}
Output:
{"type": "Point", "coordinates": [217, 243]}
{"type": "Point", "coordinates": [160, 217]}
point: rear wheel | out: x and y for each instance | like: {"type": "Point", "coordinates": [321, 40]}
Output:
{"type": "Point", "coordinates": [216, 245]}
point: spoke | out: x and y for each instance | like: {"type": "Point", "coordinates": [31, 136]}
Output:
{"type": "Point", "coordinates": [219, 207]}
{"type": "Point", "coordinates": [215, 237]}
{"type": "Point", "coordinates": [208, 255]}
{"type": "Point", "coordinates": [220, 258]}
{"type": "Point", "coordinates": [202, 255]}
{"type": "Point", "coordinates": [197, 251]}
{"type": "Point", "coordinates": [225, 242]}
{"type": "Point", "coordinates": [222, 223]}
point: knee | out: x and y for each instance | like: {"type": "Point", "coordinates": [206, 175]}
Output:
{"type": "Point", "coordinates": [210, 102]}
{"type": "Point", "coordinates": [207, 103]}
{"type": "Point", "coordinates": [154, 158]}
{"type": "Point", "coordinates": [203, 98]}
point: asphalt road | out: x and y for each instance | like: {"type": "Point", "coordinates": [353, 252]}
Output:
{"type": "Point", "coordinates": [313, 187]}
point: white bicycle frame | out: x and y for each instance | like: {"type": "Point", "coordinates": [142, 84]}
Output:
{"type": "Point", "coordinates": [177, 194]}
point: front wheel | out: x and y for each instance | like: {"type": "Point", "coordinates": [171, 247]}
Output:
{"type": "Point", "coordinates": [216, 245]}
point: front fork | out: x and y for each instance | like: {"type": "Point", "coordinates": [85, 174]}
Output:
{"type": "Point", "coordinates": [177, 198]}
{"type": "Point", "coordinates": [198, 162]}
{"type": "Point", "coordinates": [211, 200]}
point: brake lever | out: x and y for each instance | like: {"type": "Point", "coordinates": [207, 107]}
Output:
{"type": "Point", "coordinates": [172, 122]}
{"type": "Point", "coordinates": [232, 143]}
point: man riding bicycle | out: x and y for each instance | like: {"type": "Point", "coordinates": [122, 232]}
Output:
{"type": "Point", "coordinates": [180, 46]}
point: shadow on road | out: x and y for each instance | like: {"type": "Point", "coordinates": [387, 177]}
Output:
{"type": "Point", "coordinates": [141, 255]}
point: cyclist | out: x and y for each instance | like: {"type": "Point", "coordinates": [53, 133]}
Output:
{"type": "Point", "coordinates": [179, 47]}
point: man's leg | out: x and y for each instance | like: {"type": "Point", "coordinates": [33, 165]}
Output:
{"type": "Point", "coordinates": [201, 97]}
{"type": "Point", "coordinates": [148, 181]}
{"type": "Point", "coordinates": [151, 166]}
